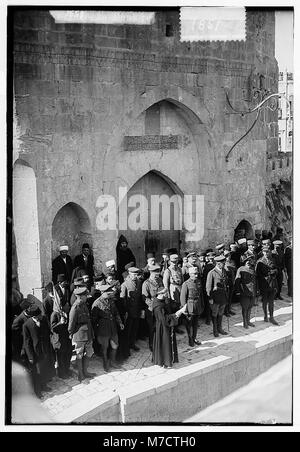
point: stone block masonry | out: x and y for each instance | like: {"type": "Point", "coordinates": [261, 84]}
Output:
{"type": "Point", "coordinates": [81, 89]}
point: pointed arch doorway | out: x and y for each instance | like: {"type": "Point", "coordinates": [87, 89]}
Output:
{"type": "Point", "coordinates": [143, 241]}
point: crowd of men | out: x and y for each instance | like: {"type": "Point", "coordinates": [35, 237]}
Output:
{"type": "Point", "coordinates": [83, 313]}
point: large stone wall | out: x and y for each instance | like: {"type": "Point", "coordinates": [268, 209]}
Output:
{"type": "Point", "coordinates": [80, 89]}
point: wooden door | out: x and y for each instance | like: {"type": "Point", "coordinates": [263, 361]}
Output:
{"type": "Point", "coordinates": [152, 240]}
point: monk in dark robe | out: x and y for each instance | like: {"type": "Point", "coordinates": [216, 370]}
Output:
{"type": "Point", "coordinates": [164, 340]}
{"type": "Point", "coordinates": [124, 256]}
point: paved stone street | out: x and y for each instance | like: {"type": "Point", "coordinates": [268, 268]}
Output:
{"type": "Point", "coordinates": [138, 370]}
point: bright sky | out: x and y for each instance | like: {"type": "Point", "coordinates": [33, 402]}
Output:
{"type": "Point", "coordinates": [284, 35]}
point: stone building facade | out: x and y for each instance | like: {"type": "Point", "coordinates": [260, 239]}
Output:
{"type": "Point", "coordinates": [97, 107]}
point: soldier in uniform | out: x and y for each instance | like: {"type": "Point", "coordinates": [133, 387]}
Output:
{"type": "Point", "coordinates": [267, 282]}
{"type": "Point", "coordinates": [278, 255]}
{"type": "Point", "coordinates": [210, 264]}
{"type": "Point", "coordinates": [173, 280]}
{"type": "Point", "coordinates": [220, 248]}
{"type": "Point", "coordinates": [192, 262]}
{"type": "Point", "coordinates": [164, 263]}
{"type": "Point", "coordinates": [251, 251]}
{"type": "Point", "coordinates": [81, 332]}
{"type": "Point", "coordinates": [131, 298]}
{"type": "Point", "coordinates": [245, 284]}
{"type": "Point", "coordinates": [288, 263]}
{"type": "Point", "coordinates": [150, 289]}
{"type": "Point", "coordinates": [217, 292]}
{"type": "Point", "coordinates": [150, 262]}
{"type": "Point", "coordinates": [192, 296]}
{"type": "Point", "coordinates": [231, 270]}
{"type": "Point", "coordinates": [105, 320]}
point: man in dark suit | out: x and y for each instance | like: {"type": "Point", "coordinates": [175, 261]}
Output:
{"type": "Point", "coordinates": [85, 261]}
{"type": "Point", "coordinates": [37, 348]}
{"type": "Point", "coordinates": [62, 264]}
{"type": "Point", "coordinates": [17, 331]}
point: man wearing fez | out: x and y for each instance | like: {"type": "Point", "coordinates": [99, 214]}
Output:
{"type": "Point", "coordinates": [131, 299]}
{"type": "Point", "coordinates": [85, 260]}
{"type": "Point", "coordinates": [235, 254]}
{"type": "Point", "coordinates": [191, 296]}
{"type": "Point", "coordinates": [266, 273]}
{"type": "Point", "coordinates": [150, 289]}
{"type": "Point", "coordinates": [106, 320]}
{"type": "Point", "coordinates": [81, 332]}
{"type": "Point", "coordinates": [278, 255]}
{"type": "Point", "coordinates": [62, 264]}
{"type": "Point", "coordinates": [173, 280]}
{"type": "Point", "coordinates": [217, 292]}
{"type": "Point", "coordinates": [245, 284]}
{"type": "Point", "coordinates": [124, 256]}
{"type": "Point", "coordinates": [38, 350]}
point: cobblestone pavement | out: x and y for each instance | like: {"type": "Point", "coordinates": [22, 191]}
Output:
{"type": "Point", "coordinates": [138, 368]}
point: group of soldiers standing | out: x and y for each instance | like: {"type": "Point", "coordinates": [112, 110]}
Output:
{"type": "Point", "coordinates": [83, 313]}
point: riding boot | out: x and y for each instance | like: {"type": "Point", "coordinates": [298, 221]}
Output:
{"type": "Point", "coordinates": [219, 325]}
{"type": "Point", "coordinates": [271, 311]}
{"type": "Point", "coordinates": [113, 362]}
{"type": "Point", "coordinates": [79, 364]}
{"type": "Point", "coordinates": [87, 374]}
{"type": "Point", "coordinates": [105, 363]}
{"type": "Point", "coordinates": [265, 308]}
{"type": "Point", "coordinates": [215, 327]}
{"type": "Point", "coordinates": [245, 320]}
{"type": "Point", "coordinates": [248, 318]}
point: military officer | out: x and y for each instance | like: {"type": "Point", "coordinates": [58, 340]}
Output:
{"type": "Point", "coordinates": [81, 332]}
{"type": "Point", "coordinates": [210, 264]}
{"type": "Point", "coordinates": [251, 251]}
{"type": "Point", "coordinates": [173, 280]}
{"type": "Point", "coordinates": [288, 263]}
{"type": "Point", "coordinates": [192, 262]}
{"type": "Point", "coordinates": [267, 282]}
{"type": "Point", "coordinates": [131, 298]}
{"type": "Point", "coordinates": [245, 284]}
{"type": "Point", "coordinates": [192, 296]}
{"type": "Point", "coordinates": [278, 255]}
{"type": "Point", "coordinates": [150, 289]}
{"type": "Point", "coordinates": [220, 248]}
{"type": "Point", "coordinates": [217, 292]}
{"type": "Point", "coordinates": [231, 270]}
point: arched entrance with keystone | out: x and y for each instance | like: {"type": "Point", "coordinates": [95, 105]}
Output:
{"type": "Point", "coordinates": [160, 222]}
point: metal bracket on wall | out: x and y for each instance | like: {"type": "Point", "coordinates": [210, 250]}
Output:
{"type": "Point", "coordinates": [256, 109]}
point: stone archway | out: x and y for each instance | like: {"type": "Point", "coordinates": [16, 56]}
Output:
{"type": "Point", "coordinates": [26, 228]}
{"type": "Point", "coordinates": [243, 230]}
{"type": "Point", "coordinates": [155, 232]}
{"type": "Point", "coordinates": [71, 226]}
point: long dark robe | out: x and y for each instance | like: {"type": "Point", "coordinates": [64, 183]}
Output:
{"type": "Point", "coordinates": [164, 340]}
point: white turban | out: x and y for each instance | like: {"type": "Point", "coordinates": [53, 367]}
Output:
{"type": "Point", "coordinates": [110, 263]}
{"type": "Point", "coordinates": [63, 248]}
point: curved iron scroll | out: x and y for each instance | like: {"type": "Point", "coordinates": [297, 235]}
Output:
{"type": "Point", "coordinates": [240, 112]}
